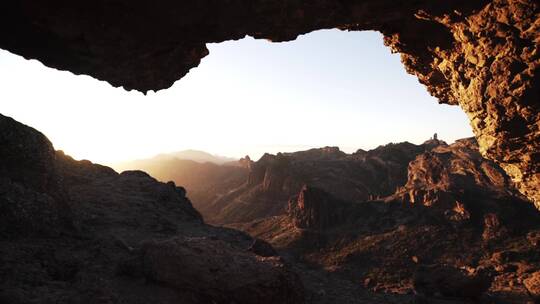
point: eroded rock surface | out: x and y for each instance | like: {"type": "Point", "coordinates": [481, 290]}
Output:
{"type": "Point", "coordinates": [315, 209]}
{"type": "Point", "coordinates": [273, 179]}
{"type": "Point", "coordinates": [455, 232]}
{"type": "Point", "coordinates": [482, 55]}
{"type": "Point", "coordinates": [532, 284]}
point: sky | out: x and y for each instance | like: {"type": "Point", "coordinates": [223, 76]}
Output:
{"type": "Point", "coordinates": [248, 97]}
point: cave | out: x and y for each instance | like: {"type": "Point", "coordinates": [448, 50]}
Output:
{"type": "Point", "coordinates": [480, 55]}
{"type": "Point", "coordinates": [77, 231]}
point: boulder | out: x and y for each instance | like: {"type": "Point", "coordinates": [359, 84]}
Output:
{"type": "Point", "coordinates": [219, 274]}
{"type": "Point", "coordinates": [448, 281]}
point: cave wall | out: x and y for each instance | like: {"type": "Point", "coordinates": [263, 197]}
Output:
{"type": "Point", "coordinates": [481, 55]}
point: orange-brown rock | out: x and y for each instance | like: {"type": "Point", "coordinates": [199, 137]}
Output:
{"type": "Point", "coordinates": [455, 231]}
{"type": "Point", "coordinates": [532, 284]}
{"type": "Point", "coordinates": [274, 179]}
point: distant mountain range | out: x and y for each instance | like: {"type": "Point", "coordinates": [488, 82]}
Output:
{"type": "Point", "coordinates": [205, 176]}
{"type": "Point", "coordinates": [221, 187]}
{"type": "Point", "coordinates": [202, 157]}
{"type": "Point", "coordinates": [402, 219]}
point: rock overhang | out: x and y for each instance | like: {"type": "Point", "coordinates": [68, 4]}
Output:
{"type": "Point", "coordinates": [481, 55]}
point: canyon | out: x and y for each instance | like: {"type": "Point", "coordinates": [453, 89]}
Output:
{"type": "Point", "coordinates": [451, 232]}
{"type": "Point", "coordinates": [395, 220]}
{"type": "Point", "coordinates": [439, 224]}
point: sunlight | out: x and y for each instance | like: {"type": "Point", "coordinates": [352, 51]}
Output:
{"type": "Point", "coordinates": [328, 88]}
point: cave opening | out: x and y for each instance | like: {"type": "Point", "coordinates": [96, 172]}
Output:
{"type": "Point", "coordinates": [368, 222]}
{"type": "Point", "coordinates": [248, 97]}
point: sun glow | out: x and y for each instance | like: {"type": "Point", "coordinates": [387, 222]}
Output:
{"type": "Point", "coordinates": [247, 97]}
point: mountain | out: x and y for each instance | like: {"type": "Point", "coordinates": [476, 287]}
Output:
{"type": "Point", "coordinates": [202, 157]}
{"type": "Point", "coordinates": [204, 182]}
{"type": "Point", "coordinates": [402, 223]}
{"type": "Point", "coordinates": [193, 155]}
{"type": "Point", "coordinates": [76, 232]}
{"type": "Point", "coordinates": [273, 179]}
{"type": "Point", "coordinates": [222, 192]}
{"type": "Point", "coordinates": [455, 232]}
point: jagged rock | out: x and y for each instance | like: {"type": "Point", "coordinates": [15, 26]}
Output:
{"type": "Point", "coordinates": [275, 178]}
{"type": "Point", "coordinates": [482, 55]}
{"type": "Point", "coordinates": [456, 209]}
{"type": "Point", "coordinates": [315, 209]}
{"type": "Point", "coordinates": [459, 182]}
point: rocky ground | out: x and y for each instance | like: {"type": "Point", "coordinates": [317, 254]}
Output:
{"type": "Point", "coordinates": [76, 232]}
{"type": "Point", "coordinates": [454, 233]}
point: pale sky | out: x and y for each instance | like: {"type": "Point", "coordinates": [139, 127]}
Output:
{"type": "Point", "coordinates": [327, 88]}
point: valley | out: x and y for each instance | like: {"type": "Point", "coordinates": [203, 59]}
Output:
{"type": "Point", "coordinates": [391, 223]}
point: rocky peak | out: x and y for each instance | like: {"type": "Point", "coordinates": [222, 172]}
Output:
{"type": "Point", "coordinates": [458, 182]}
{"type": "Point", "coordinates": [318, 154]}
{"type": "Point", "coordinates": [433, 143]}
{"type": "Point", "coordinates": [458, 167]}
{"type": "Point", "coordinates": [246, 162]}
{"type": "Point", "coordinates": [269, 170]}
{"type": "Point", "coordinates": [315, 209]}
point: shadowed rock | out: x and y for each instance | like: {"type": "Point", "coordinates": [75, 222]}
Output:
{"type": "Point", "coordinates": [86, 234]}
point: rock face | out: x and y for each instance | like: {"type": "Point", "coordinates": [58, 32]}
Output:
{"type": "Point", "coordinates": [482, 55]}
{"type": "Point", "coordinates": [457, 180]}
{"type": "Point", "coordinates": [76, 232]}
{"type": "Point", "coordinates": [274, 179]}
{"type": "Point", "coordinates": [315, 209]}
{"type": "Point", "coordinates": [455, 230]}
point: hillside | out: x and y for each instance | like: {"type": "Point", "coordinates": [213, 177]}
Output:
{"type": "Point", "coordinates": [274, 179]}
{"type": "Point", "coordinates": [76, 232]}
{"type": "Point", "coordinates": [456, 230]}
{"type": "Point", "coordinates": [204, 181]}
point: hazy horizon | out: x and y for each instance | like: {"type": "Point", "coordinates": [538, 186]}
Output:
{"type": "Point", "coordinates": [276, 150]}
{"type": "Point", "coordinates": [248, 97]}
